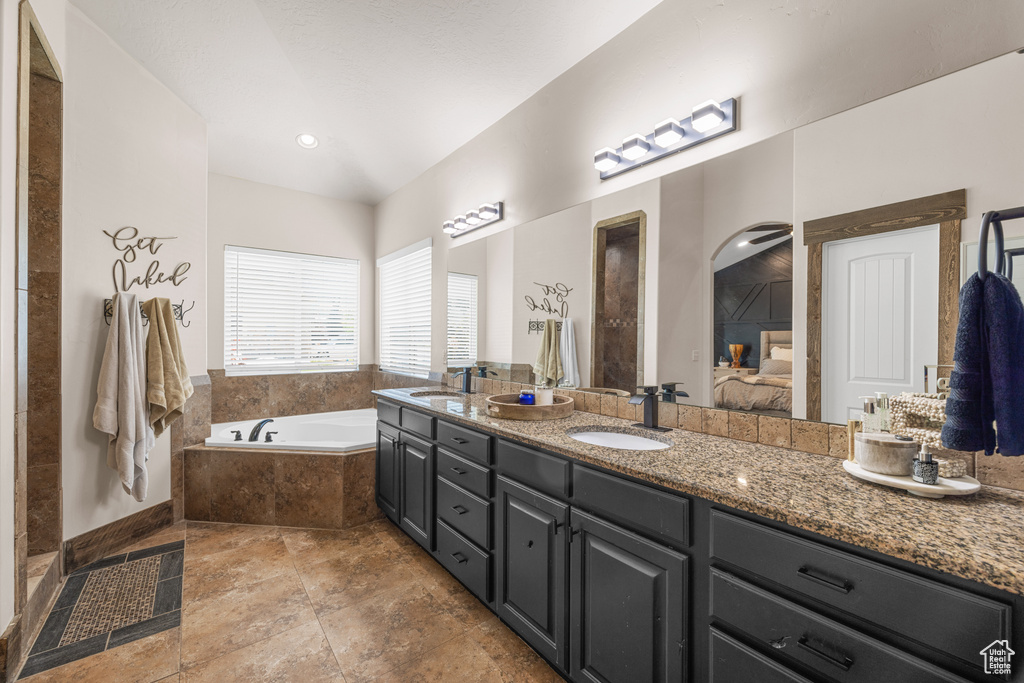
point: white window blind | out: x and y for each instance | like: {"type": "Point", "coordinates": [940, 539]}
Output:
{"type": "Point", "coordinates": [462, 321]}
{"type": "Point", "coordinates": [287, 312]}
{"type": "Point", "coordinates": [405, 312]}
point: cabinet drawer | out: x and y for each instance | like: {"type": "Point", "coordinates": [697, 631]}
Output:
{"type": "Point", "coordinates": [732, 662]}
{"type": "Point", "coordinates": [544, 472]}
{"type": "Point", "coordinates": [947, 619]}
{"type": "Point", "coordinates": [473, 445]}
{"type": "Point", "coordinates": [655, 513]}
{"type": "Point", "coordinates": [468, 475]}
{"type": "Point", "coordinates": [464, 512]}
{"type": "Point", "coordinates": [466, 562]}
{"type": "Point", "coordinates": [801, 636]}
{"type": "Point", "coordinates": [417, 423]}
{"type": "Point", "coordinates": [387, 412]}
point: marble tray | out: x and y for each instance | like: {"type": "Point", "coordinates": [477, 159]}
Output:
{"type": "Point", "coordinates": [961, 486]}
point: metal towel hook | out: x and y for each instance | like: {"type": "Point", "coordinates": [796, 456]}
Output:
{"type": "Point", "coordinates": [990, 218]}
{"type": "Point", "coordinates": [1009, 254]}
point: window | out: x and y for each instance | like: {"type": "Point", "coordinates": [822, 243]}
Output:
{"type": "Point", "coordinates": [405, 310]}
{"type": "Point", "coordinates": [287, 312]}
{"type": "Point", "coordinates": [462, 324]}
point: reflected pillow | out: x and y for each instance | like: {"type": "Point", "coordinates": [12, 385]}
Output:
{"type": "Point", "coordinates": [776, 367]}
{"type": "Point", "coordinates": [779, 353]}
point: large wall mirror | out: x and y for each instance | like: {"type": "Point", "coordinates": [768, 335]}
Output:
{"type": "Point", "coordinates": [788, 278]}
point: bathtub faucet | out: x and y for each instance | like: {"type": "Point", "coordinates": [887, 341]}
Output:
{"type": "Point", "coordinates": [254, 435]}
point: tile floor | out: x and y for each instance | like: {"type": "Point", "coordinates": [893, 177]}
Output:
{"type": "Point", "coordinates": [276, 604]}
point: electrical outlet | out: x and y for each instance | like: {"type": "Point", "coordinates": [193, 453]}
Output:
{"type": "Point", "coordinates": [696, 355]}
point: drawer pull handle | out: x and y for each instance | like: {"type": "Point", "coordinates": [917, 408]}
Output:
{"type": "Point", "coordinates": [843, 587]}
{"type": "Point", "coordinates": [459, 441]}
{"type": "Point", "coordinates": [460, 509]}
{"type": "Point", "coordinates": [845, 663]}
{"type": "Point", "coordinates": [460, 558]}
{"type": "Point", "coordinates": [456, 470]}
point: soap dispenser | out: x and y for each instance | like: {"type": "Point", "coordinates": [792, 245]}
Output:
{"type": "Point", "coordinates": [882, 409]}
{"type": "Point", "coordinates": [926, 468]}
{"type": "Point", "coordinates": [869, 418]}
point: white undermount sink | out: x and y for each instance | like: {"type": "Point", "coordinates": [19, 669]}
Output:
{"type": "Point", "coordinates": [619, 440]}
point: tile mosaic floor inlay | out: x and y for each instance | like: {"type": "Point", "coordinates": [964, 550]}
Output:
{"type": "Point", "coordinates": [111, 602]}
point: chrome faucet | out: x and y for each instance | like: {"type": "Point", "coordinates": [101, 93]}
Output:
{"type": "Point", "coordinates": [254, 435]}
{"type": "Point", "coordinates": [649, 399]}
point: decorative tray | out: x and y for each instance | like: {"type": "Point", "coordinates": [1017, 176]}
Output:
{"type": "Point", "coordinates": [508, 407]}
{"type": "Point", "coordinates": [961, 486]}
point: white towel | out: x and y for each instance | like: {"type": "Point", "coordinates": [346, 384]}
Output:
{"type": "Point", "coordinates": [567, 349]}
{"type": "Point", "coordinates": [122, 411]}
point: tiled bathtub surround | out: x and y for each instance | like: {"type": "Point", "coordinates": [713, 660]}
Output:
{"type": "Point", "coordinates": [190, 430]}
{"type": "Point", "coordinates": [253, 397]}
{"type": "Point", "coordinates": [800, 435]}
{"type": "Point", "coordinates": [804, 490]}
{"type": "Point", "coordinates": [280, 488]}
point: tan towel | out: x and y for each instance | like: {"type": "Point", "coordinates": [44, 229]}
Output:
{"type": "Point", "coordinates": [121, 409]}
{"type": "Point", "coordinates": [548, 367]}
{"type": "Point", "coordinates": [169, 383]}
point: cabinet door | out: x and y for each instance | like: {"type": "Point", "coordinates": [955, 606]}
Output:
{"type": "Point", "coordinates": [531, 554]}
{"type": "Point", "coordinates": [417, 489]}
{"type": "Point", "coordinates": [387, 472]}
{"type": "Point", "coordinates": [628, 606]}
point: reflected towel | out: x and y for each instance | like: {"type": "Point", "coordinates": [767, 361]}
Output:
{"type": "Point", "coordinates": [548, 367]}
{"type": "Point", "coordinates": [985, 385]}
{"type": "Point", "coordinates": [169, 385]}
{"type": "Point", "coordinates": [567, 348]}
{"type": "Point", "coordinates": [121, 409]}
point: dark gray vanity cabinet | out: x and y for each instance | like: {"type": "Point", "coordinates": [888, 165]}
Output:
{"type": "Point", "coordinates": [628, 605]}
{"type": "Point", "coordinates": [416, 474]}
{"type": "Point", "coordinates": [531, 556]}
{"type": "Point", "coordinates": [388, 467]}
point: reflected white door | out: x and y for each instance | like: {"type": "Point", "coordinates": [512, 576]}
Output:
{"type": "Point", "coordinates": [879, 319]}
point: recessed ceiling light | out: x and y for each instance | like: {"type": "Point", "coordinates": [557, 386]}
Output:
{"type": "Point", "coordinates": [306, 140]}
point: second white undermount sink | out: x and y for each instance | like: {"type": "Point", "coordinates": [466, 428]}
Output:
{"type": "Point", "coordinates": [620, 440]}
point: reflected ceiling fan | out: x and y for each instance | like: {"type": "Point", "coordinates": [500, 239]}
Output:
{"type": "Point", "coordinates": [776, 230]}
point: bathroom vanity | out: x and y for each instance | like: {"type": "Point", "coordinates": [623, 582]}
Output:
{"type": "Point", "coordinates": [712, 560]}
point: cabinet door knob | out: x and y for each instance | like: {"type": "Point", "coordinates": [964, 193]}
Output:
{"type": "Point", "coordinates": [460, 558]}
{"type": "Point", "coordinates": [844, 663]}
{"type": "Point", "coordinates": [460, 509]}
{"type": "Point", "coordinates": [842, 587]}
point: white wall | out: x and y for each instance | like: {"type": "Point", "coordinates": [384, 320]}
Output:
{"type": "Point", "coordinates": [248, 214]}
{"type": "Point", "coordinates": [961, 131]}
{"type": "Point", "coordinates": [51, 18]}
{"type": "Point", "coordinates": [497, 343]}
{"type": "Point", "coordinates": [134, 155]}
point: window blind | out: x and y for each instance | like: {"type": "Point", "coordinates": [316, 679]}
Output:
{"type": "Point", "coordinates": [462, 320]}
{"type": "Point", "coordinates": [405, 313]}
{"type": "Point", "coordinates": [287, 312]}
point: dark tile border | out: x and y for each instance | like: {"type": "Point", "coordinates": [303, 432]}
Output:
{"type": "Point", "coordinates": [46, 652]}
{"type": "Point", "coordinates": [86, 548]}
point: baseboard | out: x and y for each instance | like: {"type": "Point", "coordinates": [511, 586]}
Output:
{"type": "Point", "coordinates": [98, 543]}
{"type": "Point", "coordinates": [10, 650]}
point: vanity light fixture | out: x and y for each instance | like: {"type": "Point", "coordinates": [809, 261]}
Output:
{"type": "Point", "coordinates": [306, 140]}
{"type": "Point", "coordinates": [706, 116]}
{"type": "Point", "coordinates": [476, 218]}
{"type": "Point", "coordinates": [634, 147]}
{"type": "Point", "coordinates": [709, 120]}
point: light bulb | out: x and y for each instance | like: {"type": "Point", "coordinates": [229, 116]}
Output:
{"type": "Point", "coordinates": [668, 133]}
{"type": "Point", "coordinates": [606, 159]}
{"type": "Point", "coordinates": [634, 147]}
{"type": "Point", "coordinates": [306, 140]}
{"type": "Point", "coordinates": [449, 227]}
{"type": "Point", "coordinates": [473, 217]}
{"type": "Point", "coordinates": [461, 223]}
{"type": "Point", "coordinates": [706, 116]}
{"type": "Point", "coordinates": [488, 212]}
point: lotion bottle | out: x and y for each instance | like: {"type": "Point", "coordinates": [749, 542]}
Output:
{"type": "Point", "coordinates": [869, 418]}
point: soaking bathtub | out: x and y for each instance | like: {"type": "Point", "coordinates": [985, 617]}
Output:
{"type": "Point", "coordinates": [346, 430]}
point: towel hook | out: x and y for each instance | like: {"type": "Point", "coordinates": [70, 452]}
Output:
{"type": "Point", "coordinates": [1009, 254]}
{"type": "Point", "coordinates": [994, 218]}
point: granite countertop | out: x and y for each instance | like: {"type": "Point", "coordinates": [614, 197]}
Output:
{"type": "Point", "coordinates": [978, 537]}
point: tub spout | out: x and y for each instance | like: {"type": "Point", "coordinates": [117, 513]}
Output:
{"type": "Point", "coordinates": [254, 435]}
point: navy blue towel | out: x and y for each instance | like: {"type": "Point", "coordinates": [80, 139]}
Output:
{"type": "Point", "coordinates": [987, 384]}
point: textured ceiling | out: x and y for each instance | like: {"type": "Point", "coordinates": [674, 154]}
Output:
{"type": "Point", "coordinates": [390, 87]}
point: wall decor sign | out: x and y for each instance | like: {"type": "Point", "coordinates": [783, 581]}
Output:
{"type": "Point", "coordinates": [559, 291]}
{"type": "Point", "coordinates": [128, 242]}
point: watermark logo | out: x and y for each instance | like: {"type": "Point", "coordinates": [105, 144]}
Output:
{"type": "Point", "coordinates": [997, 656]}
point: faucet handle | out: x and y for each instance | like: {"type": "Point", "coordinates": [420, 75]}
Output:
{"type": "Point", "coordinates": [237, 433]}
{"type": "Point", "coordinates": [268, 439]}
{"type": "Point", "coordinates": [648, 389]}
